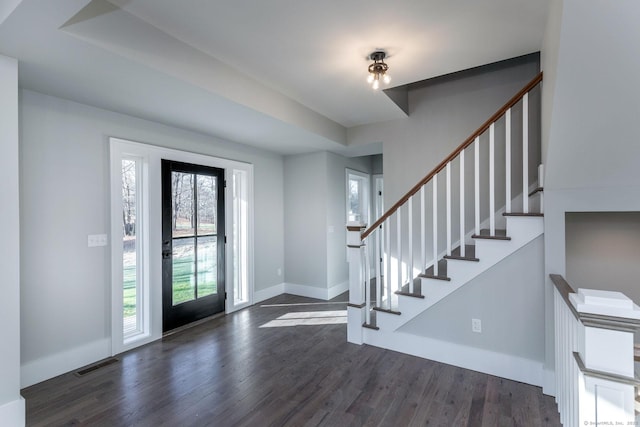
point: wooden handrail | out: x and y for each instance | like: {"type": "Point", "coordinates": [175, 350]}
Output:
{"type": "Point", "coordinates": [454, 154]}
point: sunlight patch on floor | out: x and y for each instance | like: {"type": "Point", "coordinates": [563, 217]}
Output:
{"type": "Point", "coordinates": [308, 318]}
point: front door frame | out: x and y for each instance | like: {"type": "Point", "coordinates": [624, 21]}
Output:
{"type": "Point", "coordinates": [151, 157]}
{"type": "Point", "coordinates": [174, 316]}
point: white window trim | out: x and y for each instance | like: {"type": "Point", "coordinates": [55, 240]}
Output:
{"type": "Point", "coordinates": [151, 227]}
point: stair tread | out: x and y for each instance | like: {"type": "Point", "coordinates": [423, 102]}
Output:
{"type": "Point", "coordinates": [386, 310]}
{"type": "Point", "coordinates": [442, 271]}
{"type": "Point", "coordinates": [417, 289]}
{"type": "Point", "coordinates": [470, 253]}
{"type": "Point", "coordinates": [537, 190]}
{"type": "Point", "coordinates": [500, 234]}
{"type": "Point", "coordinates": [535, 214]}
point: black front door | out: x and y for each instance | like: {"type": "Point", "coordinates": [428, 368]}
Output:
{"type": "Point", "coordinates": [193, 243]}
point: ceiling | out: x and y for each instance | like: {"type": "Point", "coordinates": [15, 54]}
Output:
{"type": "Point", "coordinates": [284, 75]}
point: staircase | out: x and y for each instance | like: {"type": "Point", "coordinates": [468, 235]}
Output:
{"type": "Point", "coordinates": [477, 207]}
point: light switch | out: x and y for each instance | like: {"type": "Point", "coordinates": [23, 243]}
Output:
{"type": "Point", "coordinates": [95, 240]}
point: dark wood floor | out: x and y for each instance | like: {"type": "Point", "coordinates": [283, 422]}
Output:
{"type": "Point", "coordinates": [231, 371]}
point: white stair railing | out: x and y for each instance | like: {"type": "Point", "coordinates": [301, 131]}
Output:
{"type": "Point", "coordinates": [595, 381]}
{"type": "Point", "coordinates": [400, 257]}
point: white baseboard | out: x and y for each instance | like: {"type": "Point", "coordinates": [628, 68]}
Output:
{"type": "Point", "coordinates": [300, 290]}
{"type": "Point", "coordinates": [13, 413]}
{"type": "Point", "coordinates": [51, 366]}
{"type": "Point", "coordinates": [316, 292]}
{"type": "Point", "coordinates": [306, 291]}
{"type": "Point", "coordinates": [476, 359]}
{"type": "Point", "coordinates": [270, 292]}
{"type": "Point", "coordinates": [334, 291]}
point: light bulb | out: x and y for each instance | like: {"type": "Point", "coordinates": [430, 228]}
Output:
{"type": "Point", "coordinates": [376, 84]}
{"type": "Point", "coordinates": [386, 79]}
{"type": "Point", "coordinates": [370, 78]}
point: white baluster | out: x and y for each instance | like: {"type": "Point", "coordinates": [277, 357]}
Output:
{"type": "Point", "coordinates": [387, 274]}
{"type": "Point", "coordinates": [448, 216]}
{"type": "Point", "coordinates": [378, 260]}
{"type": "Point", "coordinates": [541, 185]}
{"type": "Point", "coordinates": [435, 225]}
{"type": "Point", "coordinates": [507, 157]}
{"type": "Point", "coordinates": [399, 236]}
{"type": "Point", "coordinates": [367, 286]}
{"type": "Point", "coordinates": [492, 201]}
{"type": "Point", "coordinates": [423, 229]}
{"type": "Point", "coordinates": [476, 151]}
{"type": "Point", "coordinates": [525, 153]}
{"type": "Point", "coordinates": [462, 236]}
{"type": "Point", "coordinates": [410, 228]}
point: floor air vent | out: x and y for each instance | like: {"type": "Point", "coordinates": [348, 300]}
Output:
{"type": "Point", "coordinates": [95, 367]}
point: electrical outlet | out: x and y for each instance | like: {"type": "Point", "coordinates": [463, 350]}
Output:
{"type": "Point", "coordinates": [476, 325]}
{"type": "Point", "coordinates": [279, 271]}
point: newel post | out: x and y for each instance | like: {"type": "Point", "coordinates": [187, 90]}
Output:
{"type": "Point", "coordinates": [605, 356]}
{"type": "Point", "coordinates": [356, 305]}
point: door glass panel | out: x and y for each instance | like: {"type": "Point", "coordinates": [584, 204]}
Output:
{"type": "Point", "coordinates": [207, 266]}
{"type": "Point", "coordinates": [207, 202]}
{"type": "Point", "coordinates": [182, 220]}
{"type": "Point", "coordinates": [184, 269]}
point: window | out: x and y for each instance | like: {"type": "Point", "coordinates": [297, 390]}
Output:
{"type": "Point", "coordinates": [240, 238]}
{"type": "Point", "coordinates": [357, 196]}
{"type": "Point", "coordinates": [132, 322]}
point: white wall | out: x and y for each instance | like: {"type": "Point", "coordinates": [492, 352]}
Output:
{"type": "Point", "coordinates": [508, 299]}
{"type": "Point", "coordinates": [64, 171]}
{"type": "Point", "coordinates": [593, 148]}
{"type": "Point", "coordinates": [11, 404]}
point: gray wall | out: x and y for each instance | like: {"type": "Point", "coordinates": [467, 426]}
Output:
{"type": "Point", "coordinates": [508, 299]}
{"type": "Point", "coordinates": [64, 195]}
{"type": "Point", "coordinates": [337, 266]}
{"type": "Point", "coordinates": [10, 246]}
{"type": "Point", "coordinates": [315, 217]}
{"type": "Point", "coordinates": [376, 164]}
{"type": "Point", "coordinates": [443, 113]}
{"type": "Point", "coordinates": [592, 147]}
{"type": "Point", "coordinates": [602, 250]}
{"type": "Point", "coordinates": [305, 206]}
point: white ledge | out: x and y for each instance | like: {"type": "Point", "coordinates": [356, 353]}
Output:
{"type": "Point", "coordinates": [605, 303]}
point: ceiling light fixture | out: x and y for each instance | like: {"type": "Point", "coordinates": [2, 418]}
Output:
{"type": "Point", "coordinates": [378, 70]}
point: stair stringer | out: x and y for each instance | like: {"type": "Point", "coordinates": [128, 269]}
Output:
{"type": "Point", "coordinates": [521, 230]}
